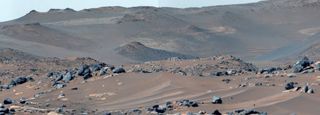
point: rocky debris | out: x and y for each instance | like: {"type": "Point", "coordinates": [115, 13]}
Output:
{"type": "Point", "coordinates": [16, 81]}
{"type": "Point", "coordinates": [159, 109]}
{"type": "Point", "coordinates": [216, 100]}
{"type": "Point", "coordinates": [302, 65]}
{"type": "Point", "coordinates": [58, 85]}
{"type": "Point", "coordinates": [213, 66]}
{"type": "Point", "coordinates": [134, 112]}
{"type": "Point", "coordinates": [84, 71]}
{"type": "Point", "coordinates": [270, 70]}
{"type": "Point", "coordinates": [5, 111]}
{"type": "Point", "coordinates": [246, 112]}
{"type": "Point", "coordinates": [119, 70]}
{"type": "Point", "coordinates": [187, 103]}
{"type": "Point", "coordinates": [8, 101]}
{"type": "Point", "coordinates": [226, 81]}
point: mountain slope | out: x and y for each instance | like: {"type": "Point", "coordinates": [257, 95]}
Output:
{"type": "Point", "coordinates": [247, 30]}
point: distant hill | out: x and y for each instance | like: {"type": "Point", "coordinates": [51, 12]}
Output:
{"type": "Point", "coordinates": [138, 51]}
{"type": "Point", "coordinates": [266, 30]}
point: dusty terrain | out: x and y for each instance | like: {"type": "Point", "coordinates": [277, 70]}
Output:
{"type": "Point", "coordinates": [139, 87]}
{"type": "Point", "coordinates": [234, 59]}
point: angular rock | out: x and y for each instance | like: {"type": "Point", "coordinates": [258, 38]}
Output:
{"type": "Point", "coordinates": [118, 70]}
{"type": "Point", "coordinates": [67, 77]}
{"type": "Point", "coordinates": [300, 65]}
{"type": "Point", "coordinates": [289, 86]}
{"type": "Point", "coordinates": [85, 72]}
{"type": "Point", "coordinates": [216, 100]}
{"type": "Point", "coordinates": [103, 71]}
{"type": "Point", "coordinates": [310, 91]}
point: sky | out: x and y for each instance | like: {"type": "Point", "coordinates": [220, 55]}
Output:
{"type": "Point", "coordinates": [12, 9]}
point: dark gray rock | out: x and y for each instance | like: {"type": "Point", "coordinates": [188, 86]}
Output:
{"type": "Point", "coordinates": [219, 73]}
{"type": "Point", "coordinates": [22, 100]}
{"type": "Point", "coordinates": [59, 85]}
{"type": "Point", "coordinates": [85, 72]}
{"type": "Point", "coordinates": [246, 112]}
{"type": "Point", "coordinates": [118, 70]}
{"type": "Point", "coordinates": [68, 77]}
{"type": "Point", "coordinates": [103, 71]}
{"type": "Point", "coordinates": [8, 101]}
{"type": "Point", "coordinates": [57, 76]}
{"type": "Point", "coordinates": [269, 70]}
{"type": "Point", "coordinates": [21, 80]}
{"type": "Point", "coordinates": [289, 85]}
{"type": "Point", "coordinates": [187, 103]}
{"type": "Point", "coordinates": [300, 65]}
{"type": "Point", "coordinates": [216, 112]}
{"type": "Point", "coordinates": [97, 67]}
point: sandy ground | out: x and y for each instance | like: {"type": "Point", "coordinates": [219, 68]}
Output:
{"type": "Point", "coordinates": [138, 90]}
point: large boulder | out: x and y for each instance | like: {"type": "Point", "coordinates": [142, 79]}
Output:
{"type": "Point", "coordinates": [67, 77]}
{"type": "Point", "coordinates": [300, 65]}
{"type": "Point", "coordinates": [85, 72]}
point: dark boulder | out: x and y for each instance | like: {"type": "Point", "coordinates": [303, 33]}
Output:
{"type": "Point", "coordinates": [118, 70]}
{"type": "Point", "coordinates": [8, 101]}
{"type": "Point", "coordinates": [289, 85]}
{"type": "Point", "coordinates": [18, 81]}
{"type": "Point", "coordinates": [22, 100]}
{"type": "Point", "coordinates": [219, 73]}
{"type": "Point", "coordinates": [216, 112]}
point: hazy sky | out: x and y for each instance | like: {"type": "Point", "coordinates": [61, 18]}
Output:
{"type": "Point", "coordinates": [12, 9]}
